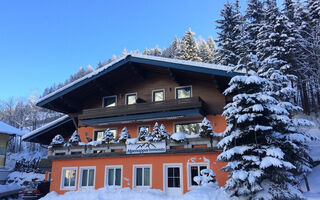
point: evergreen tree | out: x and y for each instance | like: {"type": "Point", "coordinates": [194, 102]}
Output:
{"type": "Point", "coordinates": [205, 53]}
{"type": "Point", "coordinates": [206, 129]}
{"type": "Point", "coordinates": [75, 138]}
{"type": "Point", "coordinates": [228, 37]}
{"type": "Point", "coordinates": [212, 45]}
{"type": "Point", "coordinates": [124, 135]}
{"type": "Point", "coordinates": [107, 136]}
{"type": "Point", "coordinates": [163, 132]}
{"type": "Point", "coordinates": [156, 134]}
{"type": "Point", "coordinates": [258, 166]}
{"type": "Point", "coordinates": [189, 48]}
{"type": "Point", "coordinates": [57, 140]}
{"type": "Point", "coordinates": [143, 134]}
{"type": "Point", "coordinates": [254, 16]}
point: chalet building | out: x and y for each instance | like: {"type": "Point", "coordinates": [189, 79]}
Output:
{"type": "Point", "coordinates": [135, 92]}
{"type": "Point", "coordinates": [7, 132]}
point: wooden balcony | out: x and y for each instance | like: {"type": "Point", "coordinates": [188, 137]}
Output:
{"type": "Point", "coordinates": [142, 108]}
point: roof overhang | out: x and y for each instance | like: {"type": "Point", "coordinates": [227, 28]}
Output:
{"type": "Point", "coordinates": [206, 68]}
{"type": "Point", "coordinates": [44, 135]}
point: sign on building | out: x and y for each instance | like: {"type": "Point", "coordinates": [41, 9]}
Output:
{"type": "Point", "coordinates": [148, 147]}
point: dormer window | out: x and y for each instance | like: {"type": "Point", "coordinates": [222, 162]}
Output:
{"type": "Point", "coordinates": [183, 92]}
{"type": "Point", "coordinates": [109, 101]}
{"type": "Point", "coordinates": [131, 98]}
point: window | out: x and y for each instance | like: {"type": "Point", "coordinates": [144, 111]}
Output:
{"type": "Point", "coordinates": [69, 177]}
{"type": "Point", "coordinates": [194, 170]}
{"type": "Point", "coordinates": [113, 176]}
{"type": "Point", "coordinates": [142, 176]}
{"type": "Point", "coordinates": [183, 92]}
{"type": "Point", "coordinates": [189, 128]}
{"type": "Point", "coordinates": [173, 176]}
{"type": "Point", "coordinates": [131, 98]}
{"type": "Point", "coordinates": [158, 95]}
{"type": "Point", "coordinates": [87, 177]}
{"type": "Point", "coordinates": [110, 101]}
{"type": "Point", "coordinates": [98, 135]}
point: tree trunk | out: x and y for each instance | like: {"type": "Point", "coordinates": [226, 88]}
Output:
{"type": "Point", "coordinates": [305, 100]}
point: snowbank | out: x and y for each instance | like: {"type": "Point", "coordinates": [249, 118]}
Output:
{"type": "Point", "coordinates": [314, 183]}
{"type": "Point", "coordinates": [23, 178]}
{"type": "Point", "coordinates": [4, 188]}
{"type": "Point", "coordinates": [202, 193]}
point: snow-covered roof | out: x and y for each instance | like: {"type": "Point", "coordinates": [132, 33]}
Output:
{"type": "Point", "coordinates": [147, 59]}
{"type": "Point", "coordinates": [46, 126]}
{"type": "Point", "coordinates": [10, 130]}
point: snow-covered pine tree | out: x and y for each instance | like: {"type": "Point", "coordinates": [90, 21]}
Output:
{"type": "Point", "coordinates": [57, 140]}
{"type": "Point", "coordinates": [156, 134]}
{"type": "Point", "coordinates": [254, 15]}
{"type": "Point", "coordinates": [228, 36]}
{"type": "Point", "coordinates": [206, 129]}
{"type": "Point", "coordinates": [258, 168]}
{"type": "Point", "coordinates": [189, 48]}
{"type": "Point", "coordinates": [143, 134]}
{"type": "Point", "coordinates": [75, 138]}
{"type": "Point", "coordinates": [212, 45]}
{"type": "Point", "coordinates": [207, 176]}
{"type": "Point", "coordinates": [174, 50]}
{"type": "Point", "coordinates": [107, 136]}
{"type": "Point", "coordinates": [124, 135]}
{"type": "Point", "coordinates": [163, 132]}
{"type": "Point", "coordinates": [205, 53]}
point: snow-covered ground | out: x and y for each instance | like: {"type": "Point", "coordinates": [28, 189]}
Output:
{"type": "Point", "coordinates": [314, 183]}
{"type": "Point", "coordinates": [203, 193]}
{"type": "Point", "coordinates": [23, 178]}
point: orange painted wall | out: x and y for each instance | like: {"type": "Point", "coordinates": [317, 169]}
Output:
{"type": "Point", "coordinates": [218, 122]}
{"type": "Point", "coordinates": [157, 162]}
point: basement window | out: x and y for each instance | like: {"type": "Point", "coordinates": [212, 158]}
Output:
{"type": "Point", "coordinates": [110, 101]}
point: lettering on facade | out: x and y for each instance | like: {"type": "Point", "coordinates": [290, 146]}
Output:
{"type": "Point", "coordinates": [148, 147]}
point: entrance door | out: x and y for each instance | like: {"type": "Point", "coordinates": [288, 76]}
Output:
{"type": "Point", "coordinates": [173, 179]}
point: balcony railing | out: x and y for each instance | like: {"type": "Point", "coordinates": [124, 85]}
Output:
{"type": "Point", "coordinates": [142, 108]}
{"type": "Point", "coordinates": [191, 144]}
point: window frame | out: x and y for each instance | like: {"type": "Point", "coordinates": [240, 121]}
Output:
{"type": "Point", "coordinates": [62, 187]}
{"type": "Point", "coordinates": [165, 174]}
{"type": "Point", "coordinates": [158, 90]}
{"type": "Point", "coordinates": [197, 164]}
{"type": "Point", "coordinates": [109, 97]}
{"type": "Point", "coordinates": [106, 175]}
{"type": "Point", "coordinates": [134, 167]}
{"type": "Point", "coordinates": [184, 122]}
{"type": "Point", "coordinates": [98, 130]}
{"type": "Point", "coordinates": [129, 94]}
{"type": "Point", "coordinates": [176, 91]}
{"type": "Point", "coordinates": [80, 177]}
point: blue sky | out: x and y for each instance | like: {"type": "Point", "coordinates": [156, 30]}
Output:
{"type": "Point", "coordinates": [43, 42]}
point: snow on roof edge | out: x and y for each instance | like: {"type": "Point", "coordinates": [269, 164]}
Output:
{"type": "Point", "coordinates": [31, 133]}
{"type": "Point", "coordinates": [10, 130]}
{"type": "Point", "coordinates": [155, 58]}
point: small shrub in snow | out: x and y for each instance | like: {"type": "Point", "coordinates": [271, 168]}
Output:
{"type": "Point", "coordinates": [206, 176]}
{"type": "Point", "coordinates": [124, 135]}
{"type": "Point", "coordinates": [107, 136]}
{"type": "Point", "coordinates": [57, 140]}
{"type": "Point", "coordinates": [206, 129]}
{"type": "Point", "coordinates": [75, 138]}
{"type": "Point", "coordinates": [178, 137]}
{"type": "Point", "coordinates": [163, 132]}
{"type": "Point", "coordinates": [156, 134]}
{"type": "Point", "coordinates": [143, 134]}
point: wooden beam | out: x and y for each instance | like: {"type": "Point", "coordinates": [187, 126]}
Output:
{"type": "Point", "coordinates": [174, 77]}
{"type": "Point", "coordinates": [74, 120]}
{"type": "Point", "coordinates": [137, 71]}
